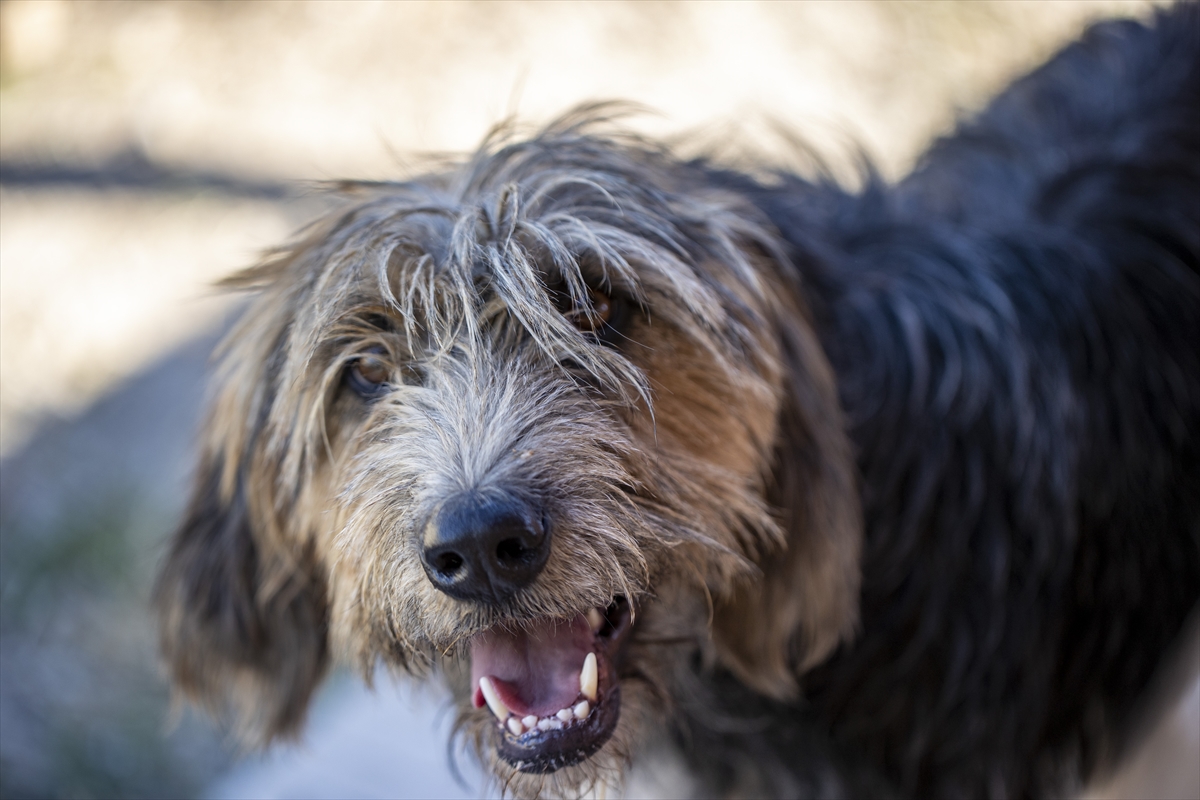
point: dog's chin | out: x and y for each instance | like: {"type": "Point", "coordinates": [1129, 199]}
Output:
{"type": "Point", "coordinates": [551, 685]}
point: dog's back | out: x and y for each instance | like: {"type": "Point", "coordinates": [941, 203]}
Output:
{"type": "Point", "coordinates": [1016, 332]}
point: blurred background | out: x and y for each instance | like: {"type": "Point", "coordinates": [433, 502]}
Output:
{"type": "Point", "coordinates": [147, 149]}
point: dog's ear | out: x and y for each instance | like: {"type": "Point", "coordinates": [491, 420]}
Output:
{"type": "Point", "coordinates": [242, 604]}
{"type": "Point", "coordinates": [248, 646]}
{"type": "Point", "coordinates": [805, 600]}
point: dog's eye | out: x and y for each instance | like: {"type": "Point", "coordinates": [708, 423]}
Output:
{"type": "Point", "coordinates": [368, 374]}
{"type": "Point", "coordinates": [592, 318]}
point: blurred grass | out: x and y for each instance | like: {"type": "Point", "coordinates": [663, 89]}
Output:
{"type": "Point", "coordinates": [88, 551]}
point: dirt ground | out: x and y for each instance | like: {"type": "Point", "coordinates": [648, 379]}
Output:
{"type": "Point", "coordinates": [147, 149]}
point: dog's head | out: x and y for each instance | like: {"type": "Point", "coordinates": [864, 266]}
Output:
{"type": "Point", "coordinates": [552, 421]}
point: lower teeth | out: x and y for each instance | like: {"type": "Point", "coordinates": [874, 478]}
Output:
{"type": "Point", "coordinates": [556, 722]}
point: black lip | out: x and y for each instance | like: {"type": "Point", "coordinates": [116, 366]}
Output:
{"type": "Point", "coordinates": [539, 752]}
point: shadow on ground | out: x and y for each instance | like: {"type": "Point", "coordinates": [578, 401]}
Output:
{"type": "Point", "coordinates": [84, 507]}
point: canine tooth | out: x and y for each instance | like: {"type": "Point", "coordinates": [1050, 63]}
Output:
{"type": "Point", "coordinates": [564, 714]}
{"type": "Point", "coordinates": [549, 724]}
{"type": "Point", "coordinates": [589, 677]}
{"type": "Point", "coordinates": [581, 710]}
{"type": "Point", "coordinates": [493, 699]}
{"type": "Point", "coordinates": [595, 619]}
{"type": "Point", "coordinates": [515, 726]}
{"type": "Point", "coordinates": [529, 722]}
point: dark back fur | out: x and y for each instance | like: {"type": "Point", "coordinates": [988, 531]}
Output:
{"type": "Point", "coordinates": [1016, 333]}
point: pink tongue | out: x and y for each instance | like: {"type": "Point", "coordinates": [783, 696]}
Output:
{"type": "Point", "coordinates": [535, 668]}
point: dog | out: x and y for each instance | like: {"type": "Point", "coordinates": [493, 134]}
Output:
{"type": "Point", "coordinates": [892, 491]}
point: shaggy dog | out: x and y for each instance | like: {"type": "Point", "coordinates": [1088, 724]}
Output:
{"type": "Point", "coordinates": [888, 491]}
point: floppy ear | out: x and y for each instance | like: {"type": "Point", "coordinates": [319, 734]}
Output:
{"type": "Point", "coordinates": [248, 654]}
{"type": "Point", "coordinates": [805, 601]}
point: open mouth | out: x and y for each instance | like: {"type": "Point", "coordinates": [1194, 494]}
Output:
{"type": "Point", "coordinates": [552, 685]}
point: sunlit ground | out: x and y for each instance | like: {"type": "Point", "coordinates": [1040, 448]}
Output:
{"type": "Point", "coordinates": [146, 150]}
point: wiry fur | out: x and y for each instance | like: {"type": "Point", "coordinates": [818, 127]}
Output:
{"type": "Point", "coordinates": [989, 372]}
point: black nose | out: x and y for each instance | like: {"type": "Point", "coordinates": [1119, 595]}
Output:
{"type": "Point", "coordinates": [484, 548]}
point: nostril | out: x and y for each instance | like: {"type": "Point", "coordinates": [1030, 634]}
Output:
{"type": "Point", "coordinates": [512, 551]}
{"type": "Point", "coordinates": [448, 563]}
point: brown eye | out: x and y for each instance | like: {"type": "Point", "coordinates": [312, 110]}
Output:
{"type": "Point", "coordinates": [593, 319]}
{"type": "Point", "coordinates": [367, 374]}
{"type": "Point", "coordinates": [601, 312]}
{"type": "Point", "coordinates": [371, 369]}
{"type": "Point", "coordinates": [600, 315]}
